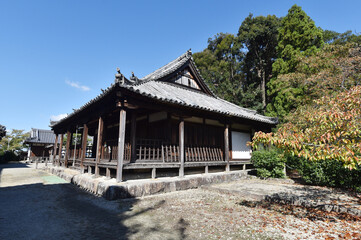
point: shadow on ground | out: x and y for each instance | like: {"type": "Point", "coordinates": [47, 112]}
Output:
{"type": "Point", "coordinates": [63, 211]}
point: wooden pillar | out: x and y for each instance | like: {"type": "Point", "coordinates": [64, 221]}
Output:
{"type": "Point", "coordinates": [68, 138]}
{"type": "Point", "coordinates": [83, 147]}
{"type": "Point", "coordinates": [226, 147]}
{"type": "Point", "coordinates": [55, 148]}
{"type": "Point", "coordinates": [71, 146]}
{"type": "Point", "coordinates": [181, 147]}
{"type": "Point", "coordinates": [60, 148]}
{"type": "Point", "coordinates": [99, 145]}
{"type": "Point", "coordinates": [121, 143]}
{"type": "Point", "coordinates": [133, 130]}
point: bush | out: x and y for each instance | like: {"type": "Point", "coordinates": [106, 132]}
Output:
{"type": "Point", "coordinates": [269, 163]}
{"type": "Point", "coordinates": [8, 156]}
{"type": "Point", "coordinates": [329, 172]}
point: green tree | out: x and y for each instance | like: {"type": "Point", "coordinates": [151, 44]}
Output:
{"type": "Point", "coordinates": [259, 38]}
{"type": "Point", "coordinates": [14, 141]}
{"type": "Point", "coordinates": [298, 37]}
{"type": "Point", "coordinates": [220, 65]}
{"type": "Point", "coordinates": [332, 37]}
{"type": "Point", "coordinates": [326, 124]}
{"type": "Point", "coordinates": [2, 131]}
{"type": "Point", "coordinates": [329, 129]}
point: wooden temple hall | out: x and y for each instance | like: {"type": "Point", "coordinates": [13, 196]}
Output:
{"type": "Point", "coordinates": [167, 120]}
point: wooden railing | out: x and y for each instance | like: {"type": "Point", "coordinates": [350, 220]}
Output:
{"type": "Point", "coordinates": [149, 150]}
{"type": "Point", "coordinates": [78, 153]}
{"type": "Point", "coordinates": [203, 154]}
{"type": "Point", "coordinates": [170, 153]}
{"type": "Point", "coordinates": [111, 153]}
{"type": "Point", "coordinates": [158, 150]}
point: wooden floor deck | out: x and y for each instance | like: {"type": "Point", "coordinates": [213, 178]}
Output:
{"type": "Point", "coordinates": [90, 165]}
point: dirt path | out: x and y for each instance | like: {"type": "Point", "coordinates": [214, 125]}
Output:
{"type": "Point", "coordinates": [36, 205]}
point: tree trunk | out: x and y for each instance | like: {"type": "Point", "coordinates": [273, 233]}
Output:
{"type": "Point", "coordinates": [263, 89]}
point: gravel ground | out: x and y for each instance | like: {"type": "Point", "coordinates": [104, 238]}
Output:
{"type": "Point", "coordinates": [47, 208]}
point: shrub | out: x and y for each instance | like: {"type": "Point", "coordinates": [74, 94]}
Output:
{"type": "Point", "coordinates": [269, 163]}
{"type": "Point", "coordinates": [8, 156]}
{"type": "Point", "coordinates": [329, 172]}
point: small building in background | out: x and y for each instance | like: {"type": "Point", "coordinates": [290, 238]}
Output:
{"type": "Point", "coordinates": [40, 143]}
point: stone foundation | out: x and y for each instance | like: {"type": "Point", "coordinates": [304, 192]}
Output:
{"type": "Point", "coordinates": [109, 189]}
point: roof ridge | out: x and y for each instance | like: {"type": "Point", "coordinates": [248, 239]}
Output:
{"type": "Point", "coordinates": [49, 130]}
{"type": "Point", "coordinates": [151, 76]}
{"type": "Point", "coordinates": [184, 87]}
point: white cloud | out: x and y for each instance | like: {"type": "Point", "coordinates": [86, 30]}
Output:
{"type": "Point", "coordinates": [58, 117]}
{"type": "Point", "coordinates": [77, 85]}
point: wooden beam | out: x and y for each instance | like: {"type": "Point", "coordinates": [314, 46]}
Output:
{"type": "Point", "coordinates": [121, 143]}
{"type": "Point", "coordinates": [181, 147]}
{"type": "Point", "coordinates": [83, 147]}
{"type": "Point", "coordinates": [226, 147]}
{"type": "Point", "coordinates": [68, 136]}
{"type": "Point", "coordinates": [99, 144]}
{"type": "Point", "coordinates": [133, 130]}
{"type": "Point", "coordinates": [60, 148]}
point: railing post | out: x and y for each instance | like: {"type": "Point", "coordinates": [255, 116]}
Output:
{"type": "Point", "coordinates": [99, 145]}
{"type": "Point", "coordinates": [226, 147]}
{"type": "Point", "coordinates": [181, 147]}
{"type": "Point", "coordinates": [133, 130]}
{"type": "Point", "coordinates": [121, 143]}
{"type": "Point", "coordinates": [53, 157]}
{"type": "Point", "coordinates": [83, 148]}
{"type": "Point", "coordinates": [68, 136]}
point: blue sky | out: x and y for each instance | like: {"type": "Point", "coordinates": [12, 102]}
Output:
{"type": "Point", "coordinates": [57, 55]}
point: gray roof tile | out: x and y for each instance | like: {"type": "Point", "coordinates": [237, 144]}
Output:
{"type": "Point", "coordinates": [172, 93]}
{"type": "Point", "coordinates": [41, 136]}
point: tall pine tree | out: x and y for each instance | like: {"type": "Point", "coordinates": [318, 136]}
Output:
{"type": "Point", "coordinates": [259, 37]}
{"type": "Point", "coordinates": [298, 36]}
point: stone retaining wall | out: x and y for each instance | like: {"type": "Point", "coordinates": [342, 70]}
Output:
{"type": "Point", "coordinates": [109, 189]}
{"type": "Point", "coordinates": [323, 204]}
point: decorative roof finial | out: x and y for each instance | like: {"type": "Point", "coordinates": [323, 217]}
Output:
{"type": "Point", "coordinates": [119, 77]}
{"type": "Point", "coordinates": [133, 79]}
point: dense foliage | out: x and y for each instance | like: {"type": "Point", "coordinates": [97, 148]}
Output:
{"type": "Point", "coordinates": [333, 37]}
{"type": "Point", "coordinates": [259, 38]}
{"type": "Point", "coordinates": [328, 129]}
{"type": "Point", "coordinates": [327, 173]}
{"type": "Point", "coordinates": [237, 68]}
{"type": "Point", "coordinates": [298, 37]}
{"type": "Point", "coordinates": [8, 156]}
{"type": "Point", "coordinates": [269, 163]}
{"type": "Point", "coordinates": [2, 131]}
{"type": "Point", "coordinates": [308, 77]}
{"type": "Point", "coordinates": [220, 66]}
{"type": "Point", "coordinates": [12, 144]}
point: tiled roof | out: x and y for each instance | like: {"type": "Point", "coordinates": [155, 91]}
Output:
{"type": "Point", "coordinates": [176, 94]}
{"type": "Point", "coordinates": [168, 68]}
{"type": "Point", "coordinates": [41, 136]}
{"type": "Point", "coordinates": [172, 67]}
